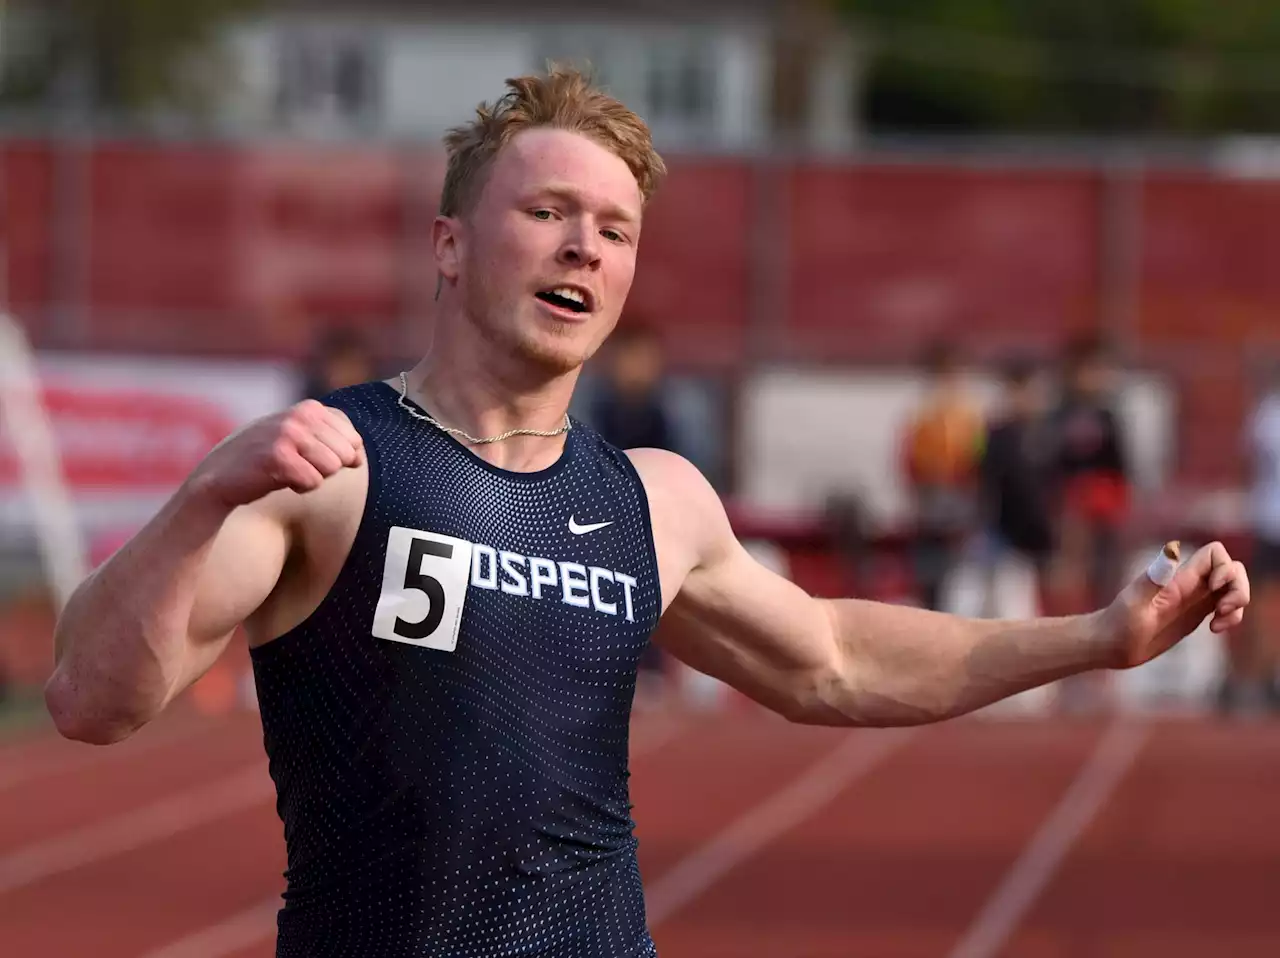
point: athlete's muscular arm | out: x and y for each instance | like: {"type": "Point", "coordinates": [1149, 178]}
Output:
{"type": "Point", "coordinates": [856, 662]}
{"type": "Point", "coordinates": [153, 618]}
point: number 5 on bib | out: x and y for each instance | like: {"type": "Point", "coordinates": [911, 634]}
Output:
{"type": "Point", "coordinates": [424, 587]}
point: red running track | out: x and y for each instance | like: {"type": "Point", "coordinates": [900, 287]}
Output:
{"type": "Point", "coordinates": [974, 839]}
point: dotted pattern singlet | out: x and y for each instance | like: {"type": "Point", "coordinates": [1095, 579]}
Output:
{"type": "Point", "coordinates": [470, 802]}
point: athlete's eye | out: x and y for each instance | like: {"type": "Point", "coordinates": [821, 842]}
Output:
{"type": "Point", "coordinates": [541, 214]}
{"type": "Point", "coordinates": [613, 236]}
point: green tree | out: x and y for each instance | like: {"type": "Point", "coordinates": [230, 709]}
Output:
{"type": "Point", "coordinates": [1096, 66]}
{"type": "Point", "coordinates": [124, 56]}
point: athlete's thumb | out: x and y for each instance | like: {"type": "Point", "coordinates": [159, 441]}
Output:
{"type": "Point", "coordinates": [1160, 572]}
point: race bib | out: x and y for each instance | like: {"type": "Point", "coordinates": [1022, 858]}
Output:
{"type": "Point", "coordinates": [424, 587]}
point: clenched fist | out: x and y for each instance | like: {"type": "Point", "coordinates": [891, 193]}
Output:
{"type": "Point", "coordinates": [295, 449]}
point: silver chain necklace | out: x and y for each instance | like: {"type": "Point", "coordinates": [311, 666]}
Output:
{"type": "Point", "coordinates": [404, 392]}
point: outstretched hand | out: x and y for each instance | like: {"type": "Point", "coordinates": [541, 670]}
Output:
{"type": "Point", "coordinates": [1147, 619]}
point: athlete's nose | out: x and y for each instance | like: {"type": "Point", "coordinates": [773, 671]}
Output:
{"type": "Point", "coordinates": [581, 248]}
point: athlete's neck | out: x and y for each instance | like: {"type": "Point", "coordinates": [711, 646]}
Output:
{"type": "Point", "coordinates": [469, 385]}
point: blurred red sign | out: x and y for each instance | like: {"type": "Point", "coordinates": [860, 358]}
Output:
{"type": "Point", "coordinates": [129, 429]}
{"type": "Point", "coordinates": [137, 438]}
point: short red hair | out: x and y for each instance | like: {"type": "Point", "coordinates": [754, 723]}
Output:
{"type": "Point", "coordinates": [563, 99]}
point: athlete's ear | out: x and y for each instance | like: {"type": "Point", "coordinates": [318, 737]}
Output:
{"type": "Point", "coordinates": [446, 238]}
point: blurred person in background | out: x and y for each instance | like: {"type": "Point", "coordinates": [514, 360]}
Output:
{"type": "Point", "coordinates": [630, 412]}
{"type": "Point", "coordinates": [1091, 470]}
{"type": "Point", "coordinates": [1015, 483]}
{"type": "Point", "coordinates": [942, 449]}
{"type": "Point", "coordinates": [342, 357]}
{"type": "Point", "coordinates": [1091, 479]}
{"type": "Point", "coordinates": [1253, 683]}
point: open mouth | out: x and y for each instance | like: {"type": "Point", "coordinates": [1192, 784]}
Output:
{"type": "Point", "coordinates": [566, 298]}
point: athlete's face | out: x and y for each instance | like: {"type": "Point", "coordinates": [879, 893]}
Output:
{"type": "Point", "coordinates": [557, 212]}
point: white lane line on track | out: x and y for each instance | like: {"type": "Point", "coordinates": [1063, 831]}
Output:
{"type": "Point", "coordinates": [652, 737]}
{"type": "Point", "coordinates": [73, 757]}
{"type": "Point", "coordinates": [157, 821]}
{"type": "Point", "coordinates": [854, 758]}
{"type": "Point", "coordinates": [1039, 861]}
{"type": "Point", "coordinates": [236, 933]}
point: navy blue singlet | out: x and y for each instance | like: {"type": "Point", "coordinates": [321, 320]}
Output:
{"type": "Point", "coordinates": [448, 731]}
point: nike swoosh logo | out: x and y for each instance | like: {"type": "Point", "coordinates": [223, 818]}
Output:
{"type": "Point", "coordinates": [578, 530]}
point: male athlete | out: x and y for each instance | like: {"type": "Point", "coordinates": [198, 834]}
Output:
{"type": "Point", "coordinates": [446, 585]}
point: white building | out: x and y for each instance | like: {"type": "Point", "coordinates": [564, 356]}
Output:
{"type": "Point", "coordinates": [703, 73]}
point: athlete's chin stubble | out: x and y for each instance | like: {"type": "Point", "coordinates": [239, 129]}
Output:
{"type": "Point", "coordinates": [539, 351]}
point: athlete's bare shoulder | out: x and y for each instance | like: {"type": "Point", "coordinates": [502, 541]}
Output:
{"type": "Point", "coordinates": [664, 472]}
{"type": "Point", "coordinates": [688, 518]}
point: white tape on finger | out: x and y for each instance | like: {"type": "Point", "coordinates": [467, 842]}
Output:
{"type": "Point", "coordinates": [1162, 569]}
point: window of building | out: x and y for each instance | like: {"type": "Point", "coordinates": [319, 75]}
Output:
{"type": "Point", "coordinates": [680, 82]}
{"type": "Point", "coordinates": [669, 77]}
{"type": "Point", "coordinates": [328, 76]}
